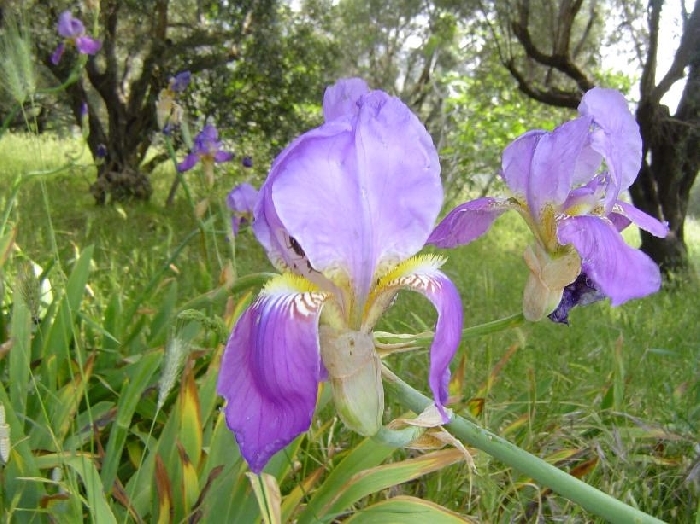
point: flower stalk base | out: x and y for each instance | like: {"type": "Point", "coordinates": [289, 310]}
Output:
{"type": "Point", "coordinates": [588, 497]}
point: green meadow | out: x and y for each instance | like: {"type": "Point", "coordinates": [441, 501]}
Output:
{"type": "Point", "coordinates": [108, 384]}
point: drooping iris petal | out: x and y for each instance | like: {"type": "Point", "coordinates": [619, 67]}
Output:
{"type": "Point", "coordinates": [58, 53]}
{"type": "Point", "coordinates": [87, 45]}
{"type": "Point", "coordinates": [641, 219]}
{"type": "Point", "coordinates": [421, 274]}
{"type": "Point", "coordinates": [188, 163]}
{"type": "Point", "coordinates": [444, 295]}
{"type": "Point", "coordinates": [618, 270]}
{"type": "Point", "coordinates": [357, 195]}
{"type": "Point", "coordinates": [340, 99]}
{"type": "Point", "coordinates": [467, 222]}
{"type": "Point", "coordinates": [554, 163]}
{"type": "Point", "coordinates": [271, 368]}
{"type": "Point", "coordinates": [618, 138]}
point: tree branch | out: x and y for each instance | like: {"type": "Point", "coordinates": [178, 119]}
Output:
{"type": "Point", "coordinates": [587, 31]}
{"type": "Point", "coordinates": [688, 47]}
{"type": "Point", "coordinates": [560, 62]}
{"type": "Point", "coordinates": [646, 83]}
{"type": "Point", "coordinates": [553, 97]}
{"type": "Point", "coordinates": [565, 21]}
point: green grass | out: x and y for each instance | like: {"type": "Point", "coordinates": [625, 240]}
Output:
{"type": "Point", "coordinates": [618, 390]}
{"type": "Point", "coordinates": [620, 385]}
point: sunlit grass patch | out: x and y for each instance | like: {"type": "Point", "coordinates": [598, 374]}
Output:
{"type": "Point", "coordinates": [28, 153]}
{"type": "Point", "coordinates": [618, 390]}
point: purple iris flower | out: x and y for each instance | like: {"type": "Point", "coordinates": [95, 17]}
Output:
{"type": "Point", "coordinates": [73, 32]}
{"type": "Point", "coordinates": [241, 200]}
{"type": "Point", "coordinates": [180, 81]}
{"type": "Point", "coordinates": [566, 185]}
{"type": "Point", "coordinates": [168, 111]}
{"type": "Point", "coordinates": [342, 214]}
{"type": "Point", "coordinates": [208, 150]}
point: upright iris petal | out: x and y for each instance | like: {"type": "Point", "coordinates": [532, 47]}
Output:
{"type": "Point", "coordinates": [345, 208]}
{"type": "Point", "coordinates": [566, 185]}
{"type": "Point", "coordinates": [73, 32]}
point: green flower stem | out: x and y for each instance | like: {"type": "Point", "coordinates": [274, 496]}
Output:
{"type": "Point", "coordinates": [589, 498]}
{"type": "Point", "coordinates": [471, 332]}
{"type": "Point", "coordinates": [179, 175]}
{"type": "Point", "coordinates": [494, 326]}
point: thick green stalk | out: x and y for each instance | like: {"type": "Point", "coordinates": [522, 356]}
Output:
{"type": "Point", "coordinates": [588, 497]}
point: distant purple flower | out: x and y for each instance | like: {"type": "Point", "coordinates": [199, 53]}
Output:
{"type": "Point", "coordinates": [572, 207]}
{"type": "Point", "coordinates": [168, 111]}
{"type": "Point", "coordinates": [101, 151]}
{"type": "Point", "coordinates": [342, 214]}
{"type": "Point", "coordinates": [241, 200]}
{"type": "Point", "coordinates": [208, 150]}
{"type": "Point", "coordinates": [73, 32]}
{"type": "Point", "coordinates": [180, 81]}
{"type": "Point", "coordinates": [247, 161]}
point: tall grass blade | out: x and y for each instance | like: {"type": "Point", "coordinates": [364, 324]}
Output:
{"type": "Point", "coordinates": [56, 349]}
{"type": "Point", "coordinates": [406, 510]}
{"type": "Point", "coordinates": [21, 464]}
{"type": "Point", "coordinates": [367, 454]}
{"type": "Point", "coordinates": [190, 418]}
{"type": "Point", "coordinates": [20, 354]}
{"type": "Point", "coordinates": [379, 478]}
{"type": "Point", "coordinates": [137, 380]}
{"type": "Point", "coordinates": [165, 496]}
{"type": "Point", "coordinates": [268, 495]}
{"type": "Point", "coordinates": [95, 499]}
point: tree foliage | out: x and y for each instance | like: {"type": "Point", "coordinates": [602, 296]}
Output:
{"type": "Point", "coordinates": [247, 57]}
{"type": "Point", "coordinates": [406, 47]}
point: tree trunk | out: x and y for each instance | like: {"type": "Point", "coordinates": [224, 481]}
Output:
{"type": "Point", "coordinates": [118, 182]}
{"type": "Point", "coordinates": [670, 253]}
{"type": "Point", "coordinates": [117, 151]}
{"type": "Point", "coordinates": [119, 177]}
{"type": "Point", "coordinates": [670, 164]}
